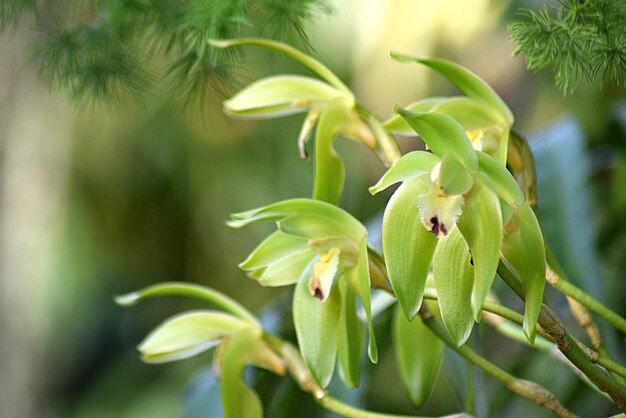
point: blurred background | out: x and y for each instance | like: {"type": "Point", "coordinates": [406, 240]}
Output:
{"type": "Point", "coordinates": [99, 199]}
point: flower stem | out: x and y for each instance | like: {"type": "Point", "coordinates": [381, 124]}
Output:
{"type": "Point", "coordinates": [526, 389]}
{"type": "Point", "coordinates": [300, 372]}
{"type": "Point", "coordinates": [567, 288]}
{"type": "Point", "coordinates": [567, 345]}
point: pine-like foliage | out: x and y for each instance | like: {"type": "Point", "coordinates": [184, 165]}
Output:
{"type": "Point", "coordinates": [97, 49]}
{"type": "Point", "coordinates": [578, 39]}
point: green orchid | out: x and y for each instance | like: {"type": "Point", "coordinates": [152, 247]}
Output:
{"type": "Point", "coordinates": [329, 104]}
{"type": "Point", "coordinates": [461, 210]}
{"type": "Point", "coordinates": [323, 250]}
{"type": "Point", "coordinates": [235, 332]}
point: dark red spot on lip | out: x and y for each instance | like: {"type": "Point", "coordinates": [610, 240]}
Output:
{"type": "Point", "coordinates": [318, 294]}
{"type": "Point", "coordinates": [437, 226]}
{"type": "Point", "coordinates": [435, 221]}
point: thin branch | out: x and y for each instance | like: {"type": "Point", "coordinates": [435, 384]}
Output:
{"type": "Point", "coordinates": [531, 391]}
{"type": "Point", "coordinates": [567, 345]}
{"type": "Point", "coordinates": [594, 305]}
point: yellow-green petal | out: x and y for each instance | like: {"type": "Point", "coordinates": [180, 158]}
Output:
{"type": "Point", "coordinates": [481, 226]}
{"type": "Point", "coordinates": [407, 246]}
{"type": "Point", "coordinates": [454, 274]}
{"type": "Point", "coordinates": [524, 249]}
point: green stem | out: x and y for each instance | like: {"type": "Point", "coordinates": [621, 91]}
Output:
{"type": "Point", "coordinates": [312, 64]}
{"type": "Point", "coordinates": [188, 290]}
{"type": "Point", "coordinates": [568, 346]}
{"type": "Point", "coordinates": [567, 288]}
{"type": "Point", "coordinates": [526, 389]}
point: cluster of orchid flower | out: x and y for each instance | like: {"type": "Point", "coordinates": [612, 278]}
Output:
{"type": "Point", "coordinates": [457, 214]}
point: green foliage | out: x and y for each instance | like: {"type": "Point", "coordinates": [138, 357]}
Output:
{"type": "Point", "coordinates": [577, 40]}
{"type": "Point", "coordinates": [105, 49]}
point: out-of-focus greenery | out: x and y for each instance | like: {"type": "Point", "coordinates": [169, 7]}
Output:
{"type": "Point", "coordinates": [147, 190]}
{"type": "Point", "coordinates": [105, 49]}
{"type": "Point", "coordinates": [576, 39]}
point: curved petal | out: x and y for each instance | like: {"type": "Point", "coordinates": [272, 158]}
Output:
{"type": "Point", "coordinates": [407, 246]}
{"type": "Point", "coordinates": [280, 96]}
{"type": "Point", "coordinates": [481, 226]}
{"type": "Point", "coordinates": [524, 249]}
{"type": "Point", "coordinates": [411, 165]}
{"type": "Point", "coordinates": [443, 135]}
{"type": "Point", "coordinates": [454, 274]}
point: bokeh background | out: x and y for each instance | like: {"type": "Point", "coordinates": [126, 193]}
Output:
{"type": "Point", "coordinates": [99, 199]}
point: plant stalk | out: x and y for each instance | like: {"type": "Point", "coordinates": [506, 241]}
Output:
{"type": "Point", "coordinates": [532, 391]}
{"type": "Point", "coordinates": [567, 345]}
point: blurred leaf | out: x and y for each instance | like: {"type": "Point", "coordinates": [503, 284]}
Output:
{"type": "Point", "coordinates": [419, 353]}
{"type": "Point", "coordinates": [524, 249]}
{"type": "Point", "coordinates": [481, 227]}
{"type": "Point", "coordinates": [280, 96]}
{"type": "Point", "coordinates": [454, 276]}
{"type": "Point", "coordinates": [188, 334]}
{"type": "Point", "coordinates": [407, 245]}
{"type": "Point", "coordinates": [317, 328]}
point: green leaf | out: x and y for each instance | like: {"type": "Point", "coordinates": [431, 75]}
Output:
{"type": "Point", "coordinates": [351, 339]}
{"type": "Point", "coordinates": [443, 135]}
{"type": "Point", "coordinates": [524, 249]}
{"type": "Point", "coordinates": [502, 180]}
{"type": "Point", "coordinates": [286, 271]}
{"type": "Point", "coordinates": [187, 334]}
{"type": "Point", "coordinates": [481, 226]}
{"type": "Point", "coordinates": [280, 96]}
{"type": "Point", "coordinates": [238, 400]}
{"type": "Point", "coordinates": [470, 113]}
{"type": "Point", "coordinates": [408, 247]}
{"type": "Point", "coordinates": [466, 81]}
{"type": "Point", "coordinates": [411, 165]}
{"type": "Point", "coordinates": [274, 248]}
{"type": "Point", "coordinates": [454, 274]}
{"type": "Point", "coordinates": [317, 329]}
{"type": "Point", "coordinates": [419, 353]}
{"type": "Point", "coordinates": [345, 223]}
{"type": "Point", "coordinates": [452, 177]}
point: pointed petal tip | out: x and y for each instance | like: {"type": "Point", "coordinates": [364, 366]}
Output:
{"type": "Point", "coordinates": [220, 43]}
{"type": "Point", "coordinates": [128, 299]}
